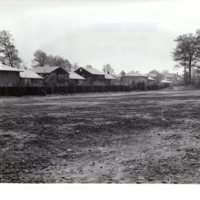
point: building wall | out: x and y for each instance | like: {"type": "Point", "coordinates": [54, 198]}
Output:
{"type": "Point", "coordinates": [59, 77]}
{"type": "Point", "coordinates": [31, 82]}
{"type": "Point", "coordinates": [132, 80]}
{"type": "Point", "coordinates": [112, 82]}
{"type": "Point", "coordinates": [152, 82]}
{"type": "Point", "coordinates": [61, 72]}
{"type": "Point", "coordinates": [76, 82]}
{"type": "Point", "coordinates": [9, 78]}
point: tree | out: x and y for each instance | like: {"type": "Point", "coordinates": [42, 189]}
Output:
{"type": "Point", "coordinates": [187, 53]}
{"type": "Point", "coordinates": [122, 73]}
{"type": "Point", "coordinates": [89, 66]}
{"type": "Point", "coordinates": [8, 52]}
{"type": "Point", "coordinates": [156, 75]}
{"type": "Point", "coordinates": [108, 69]}
{"type": "Point", "coordinates": [59, 61]}
{"type": "Point", "coordinates": [23, 65]}
{"type": "Point", "coordinates": [75, 66]}
{"type": "Point", "coordinates": [40, 58]}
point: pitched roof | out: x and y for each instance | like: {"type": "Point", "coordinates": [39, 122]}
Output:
{"type": "Point", "coordinates": [93, 71]}
{"type": "Point", "coordinates": [109, 76]}
{"type": "Point", "coordinates": [29, 74]}
{"type": "Point", "coordinates": [74, 75]}
{"type": "Point", "coordinates": [165, 81]}
{"type": "Point", "coordinates": [45, 69]}
{"type": "Point", "coordinates": [151, 79]}
{"type": "Point", "coordinates": [135, 74]}
{"type": "Point", "coordinates": [8, 68]}
{"type": "Point", "coordinates": [153, 75]}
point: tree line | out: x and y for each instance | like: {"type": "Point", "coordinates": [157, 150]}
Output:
{"type": "Point", "coordinates": [41, 59]}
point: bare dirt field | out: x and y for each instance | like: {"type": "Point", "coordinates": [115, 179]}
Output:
{"type": "Point", "coordinates": [136, 137]}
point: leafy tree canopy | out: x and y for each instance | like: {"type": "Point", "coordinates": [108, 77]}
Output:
{"type": "Point", "coordinates": [41, 59]}
{"type": "Point", "coordinates": [8, 52]}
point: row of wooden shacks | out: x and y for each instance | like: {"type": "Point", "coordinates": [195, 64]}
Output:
{"type": "Point", "coordinates": [40, 76]}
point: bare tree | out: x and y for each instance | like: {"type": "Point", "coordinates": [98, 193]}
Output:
{"type": "Point", "coordinates": [8, 52]}
{"type": "Point", "coordinates": [108, 69]}
{"type": "Point", "coordinates": [75, 66]}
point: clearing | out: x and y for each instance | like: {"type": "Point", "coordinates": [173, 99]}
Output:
{"type": "Point", "coordinates": [135, 137]}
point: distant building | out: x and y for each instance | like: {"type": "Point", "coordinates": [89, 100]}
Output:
{"type": "Point", "coordinates": [111, 80]}
{"type": "Point", "coordinates": [109, 77]}
{"type": "Point", "coordinates": [151, 80]}
{"type": "Point", "coordinates": [90, 74]}
{"type": "Point", "coordinates": [9, 76]}
{"type": "Point", "coordinates": [134, 78]}
{"type": "Point", "coordinates": [30, 78]}
{"type": "Point", "coordinates": [53, 75]}
{"type": "Point", "coordinates": [47, 70]}
{"type": "Point", "coordinates": [172, 77]}
{"type": "Point", "coordinates": [76, 78]}
{"type": "Point", "coordinates": [153, 74]}
{"type": "Point", "coordinates": [165, 83]}
{"type": "Point", "coordinates": [152, 83]}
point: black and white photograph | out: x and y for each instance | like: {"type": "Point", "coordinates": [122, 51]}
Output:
{"type": "Point", "coordinates": [100, 92]}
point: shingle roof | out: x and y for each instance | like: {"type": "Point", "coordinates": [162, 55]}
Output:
{"type": "Point", "coordinates": [8, 68]}
{"type": "Point", "coordinates": [45, 69]}
{"type": "Point", "coordinates": [93, 71]}
{"type": "Point", "coordinates": [74, 75]}
{"type": "Point", "coordinates": [165, 81]}
{"type": "Point", "coordinates": [109, 76]}
{"type": "Point", "coordinates": [151, 79]}
{"type": "Point", "coordinates": [29, 74]}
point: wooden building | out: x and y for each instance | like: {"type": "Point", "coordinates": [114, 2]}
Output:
{"type": "Point", "coordinates": [134, 78]}
{"type": "Point", "coordinates": [9, 76]}
{"type": "Point", "coordinates": [152, 81]}
{"type": "Point", "coordinates": [171, 77]}
{"type": "Point", "coordinates": [92, 75]}
{"type": "Point", "coordinates": [53, 75]}
{"type": "Point", "coordinates": [47, 70]}
{"type": "Point", "coordinates": [111, 80]}
{"type": "Point", "coordinates": [165, 83]}
{"type": "Point", "coordinates": [76, 79]}
{"type": "Point", "coordinates": [30, 78]}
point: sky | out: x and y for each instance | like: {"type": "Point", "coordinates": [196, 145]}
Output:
{"type": "Point", "coordinates": [128, 35]}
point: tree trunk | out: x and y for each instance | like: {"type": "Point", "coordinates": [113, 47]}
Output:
{"type": "Point", "coordinates": [185, 75]}
{"type": "Point", "coordinates": [190, 76]}
{"type": "Point", "coordinates": [190, 72]}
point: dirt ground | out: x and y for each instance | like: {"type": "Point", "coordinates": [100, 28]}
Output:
{"type": "Point", "coordinates": [133, 137]}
